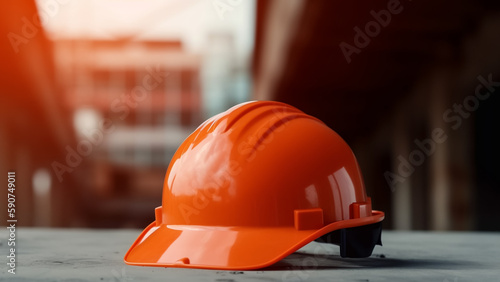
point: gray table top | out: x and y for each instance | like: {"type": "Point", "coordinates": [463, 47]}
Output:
{"type": "Point", "coordinates": [97, 255]}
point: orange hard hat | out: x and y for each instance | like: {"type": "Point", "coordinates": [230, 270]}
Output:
{"type": "Point", "coordinates": [251, 186]}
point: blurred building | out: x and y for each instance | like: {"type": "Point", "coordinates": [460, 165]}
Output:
{"type": "Point", "coordinates": [149, 93]}
{"type": "Point", "coordinates": [35, 125]}
{"type": "Point", "coordinates": [385, 75]}
{"type": "Point", "coordinates": [103, 107]}
{"type": "Point", "coordinates": [98, 98]}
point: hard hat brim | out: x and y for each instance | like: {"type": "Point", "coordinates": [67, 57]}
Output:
{"type": "Point", "coordinates": [227, 248]}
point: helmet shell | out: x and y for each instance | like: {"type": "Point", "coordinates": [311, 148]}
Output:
{"type": "Point", "coordinates": [251, 186]}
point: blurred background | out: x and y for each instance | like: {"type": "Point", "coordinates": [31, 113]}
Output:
{"type": "Point", "coordinates": [98, 95]}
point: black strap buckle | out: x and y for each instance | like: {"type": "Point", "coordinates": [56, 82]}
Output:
{"type": "Point", "coordinates": [355, 242]}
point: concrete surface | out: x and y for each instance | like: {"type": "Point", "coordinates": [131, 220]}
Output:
{"type": "Point", "coordinates": [97, 255]}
